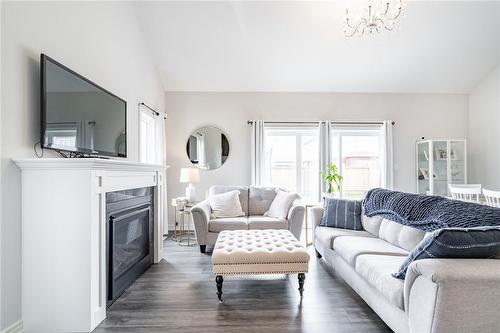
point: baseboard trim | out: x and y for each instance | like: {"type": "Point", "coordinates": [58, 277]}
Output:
{"type": "Point", "coordinates": [17, 327]}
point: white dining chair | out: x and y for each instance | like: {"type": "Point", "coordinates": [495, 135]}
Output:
{"type": "Point", "coordinates": [465, 192]}
{"type": "Point", "coordinates": [492, 197]}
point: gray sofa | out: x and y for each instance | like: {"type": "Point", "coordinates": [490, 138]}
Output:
{"type": "Point", "coordinates": [438, 295]}
{"type": "Point", "coordinates": [255, 201]}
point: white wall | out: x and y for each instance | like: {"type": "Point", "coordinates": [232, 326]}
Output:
{"type": "Point", "coordinates": [100, 40]}
{"type": "Point", "coordinates": [416, 115]}
{"type": "Point", "coordinates": [484, 132]}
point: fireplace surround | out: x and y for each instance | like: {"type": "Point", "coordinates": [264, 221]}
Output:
{"type": "Point", "coordinates": [64, 235]}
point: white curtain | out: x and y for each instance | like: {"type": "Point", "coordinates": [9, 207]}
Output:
{"type": "Point", "coordinates": [387, 180]}
{"type": "Point", "coordinates": [257, 152]}
{"type": "Point", "coordinates": [325, 151]}
{"type": "Point", "coordinates": [162, 159]}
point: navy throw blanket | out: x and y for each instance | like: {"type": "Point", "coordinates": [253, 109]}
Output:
{"type": "Point", "coordinates": [428, 212]}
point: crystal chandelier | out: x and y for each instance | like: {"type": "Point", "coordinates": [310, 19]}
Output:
{"type": "Point", "coordinates": [375, 17]}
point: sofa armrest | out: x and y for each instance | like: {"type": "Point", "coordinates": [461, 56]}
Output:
{"type": "Point", "coordinates": [316, 213]}
{"type": "Point", "coordinates": [453, 295]}
{"type": "Point", "coordinates": [201, 216]}
{"type": "Point", "coordinates": [295, 220]}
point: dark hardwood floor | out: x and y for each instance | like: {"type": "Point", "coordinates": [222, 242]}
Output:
{"type": "Point", "coordinates": [179, 295]}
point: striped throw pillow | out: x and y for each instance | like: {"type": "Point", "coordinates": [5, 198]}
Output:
{"type": "Point", "coordinates": [343, 214]}
{"type": "Point", "coordinates": [478, 242]}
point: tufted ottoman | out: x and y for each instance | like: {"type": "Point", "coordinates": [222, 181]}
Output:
{"type": "Point", "coordinates": [258, 252]}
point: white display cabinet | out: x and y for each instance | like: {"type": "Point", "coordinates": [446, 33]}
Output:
{"type": "Point", "coordinates": [440, 163]}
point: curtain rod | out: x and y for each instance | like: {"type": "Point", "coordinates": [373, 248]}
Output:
{"type": "Point", "coordinates": [250, 122]}
{"type": "Point", "coordinates": [153, 110]}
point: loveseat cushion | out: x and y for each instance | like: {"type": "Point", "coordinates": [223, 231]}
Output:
{"type": "Point", "coordinates": [266, 222]}
{"type": "Point", "coordinates": [228, 223]}
{"type": "Point", "coordinates": [377, 271]}
{"type": "Point", "coordinates": [260, 199]}
{"type": "Point", "coordinates": [217, 189]}
{"type": "Point", "coordinates": [327, 235]}
{"type": "Point", "coordinates": [226, 205]}
{"type": "Point", "coordinates": [350, 247]}
{"type": "Point", "coordinates": [400, 235]}
{"type": "Point", "coordinates": [281, 204]}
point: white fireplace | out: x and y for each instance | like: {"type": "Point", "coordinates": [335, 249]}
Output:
{"type": "Point", "coordinates": [64, 236]}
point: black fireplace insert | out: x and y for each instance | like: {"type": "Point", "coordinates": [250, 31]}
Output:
{"type": "Point", "coordinates": [129, 238]}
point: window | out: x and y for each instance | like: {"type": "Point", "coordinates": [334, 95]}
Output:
{"type": "Point", "coordinates": [290, 155]}
{"type": "Point", "coordinates": [357, 152]}
{"type": "Point", "coordinates": [150, 138]}
{"type": "Point", "coordinates": [291, 159]}
{"type": "Point", "coordinates": [67, 139]}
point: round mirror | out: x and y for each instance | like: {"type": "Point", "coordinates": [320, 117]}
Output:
{"type": "Point", "coordinates": [207, 148]}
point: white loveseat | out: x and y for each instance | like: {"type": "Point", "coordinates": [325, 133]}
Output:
{"type": "Point", "coordinates": [438, 295]}
{"type": "Point", "coordinates": [255, 201]}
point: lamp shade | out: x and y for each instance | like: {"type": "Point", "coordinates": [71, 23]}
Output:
{"type": "Point", "coordinates": [190, 175]}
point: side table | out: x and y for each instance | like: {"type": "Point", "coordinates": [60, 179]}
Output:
{"type": "Point", "coordinates": [183, 234]}
{"type": "Point", "coordinates": [307, 206]}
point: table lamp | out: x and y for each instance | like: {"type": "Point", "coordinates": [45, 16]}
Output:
{"type": "Point", "coordinates": [190, 175]}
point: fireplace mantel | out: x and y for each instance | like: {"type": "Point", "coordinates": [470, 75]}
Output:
{"type": "Point", "coordinates": [85, 163]}
{"type": "Point", "coordinates": [63, 236]}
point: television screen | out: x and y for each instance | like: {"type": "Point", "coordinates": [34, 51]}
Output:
{"type": "Point", "coordinates": [78, 115]}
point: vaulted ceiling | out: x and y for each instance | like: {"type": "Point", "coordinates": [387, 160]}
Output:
{"type": "Point", "coordinates": [440, 46]}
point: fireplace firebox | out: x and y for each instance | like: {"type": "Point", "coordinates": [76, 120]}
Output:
{"type": "Point", "coordinates": [129, 246]}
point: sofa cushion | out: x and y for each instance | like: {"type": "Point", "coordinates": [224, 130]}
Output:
{"type": "Point", "coordinates": [228, 223]}
{"type": "Point", "coordinates": [371, 224]}
{"type": "Point", "coordinates": [350, 247]}
{"type": "Point", "coordinates": [217, 189]}
{"type": "Point", "coordinates": [377, 271]}
{"type": "Point", "coordinates": [400, 235]}
{"type": "Point", "coordinates": [266, 222]}
{"type": "Point", "coordinates": [342, 213]}
{"type": "Point", "coordinates": [260, 199]}
{"type": "Point", "coordinates": [327, 235]}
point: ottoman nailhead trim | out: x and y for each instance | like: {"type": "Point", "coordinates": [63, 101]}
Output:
{"type": "Point", "coordinates": [262, 263]}
{"type": "Point", "coordinates": [261, 273]}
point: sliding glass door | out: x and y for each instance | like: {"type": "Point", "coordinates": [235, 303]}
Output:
{"type": "Point", "coordinates": [294, 153]}
{"type": "Point", "coordinates": [291, 158]}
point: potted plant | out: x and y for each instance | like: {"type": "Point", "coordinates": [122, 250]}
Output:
{"type": "Point", "coordinates": [333, 178]}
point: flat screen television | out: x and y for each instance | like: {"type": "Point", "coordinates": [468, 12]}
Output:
{"type": "Point", "coordinates": [79, 116]}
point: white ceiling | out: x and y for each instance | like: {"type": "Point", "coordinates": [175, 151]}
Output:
{"type": "Point", "coordinates": [443, 46]}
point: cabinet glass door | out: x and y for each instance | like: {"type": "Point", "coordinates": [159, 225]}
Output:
{"type": "Point", "coordinates": [423, 155]}
{"type": "Point", "coordinates": [440, 167]}
{"type": "Point", "coordinates": [457, 162]}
